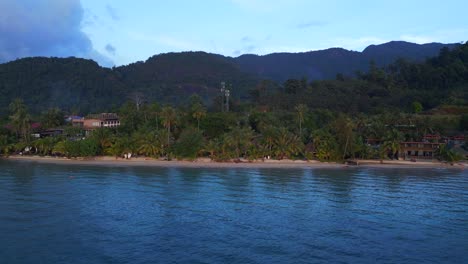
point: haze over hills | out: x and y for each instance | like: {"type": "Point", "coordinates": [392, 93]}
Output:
{"type": "Point", "coordinates": [83, 86]}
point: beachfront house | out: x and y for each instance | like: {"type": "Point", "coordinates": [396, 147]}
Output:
{"type": "Point", "coordinates": [418, 150]}
{"type": "Point", "coordinates": [94, 121]}
{"type": "Point", "coordinates": [53, 132]}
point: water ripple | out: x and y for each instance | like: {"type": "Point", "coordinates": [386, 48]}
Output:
{"type": "Point", "coordinates": [87, 214]}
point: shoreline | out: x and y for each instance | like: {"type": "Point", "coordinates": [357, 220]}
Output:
{"type": "Point", "coordinates": [208, 163]}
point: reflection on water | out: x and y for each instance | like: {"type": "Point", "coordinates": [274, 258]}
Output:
{"type": "Point", "coordinates": [99, 214]}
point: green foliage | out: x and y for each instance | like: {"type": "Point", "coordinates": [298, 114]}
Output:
{"type": "Point", "coordinates": [326, 147]}
{"type": "Point", "coordinates": [286, 144]}
{"type": "Point", "coordinates": [130, 118]}
{"type": "Point", "coordinates": [238, 141]}
{"type": "Point", "coordinates": [301, 110]}
{"type": "Point", "coordinates": [52, 118]}
{"type": "Point", "coordinates": [80, 148]}
{"type": "Point", "coordinates": [103, 137]}
{"type": "Point", "coordinates": [198, 112]}
{"type": "Point", "coordinates": [5, 145]}
{"type": "Point", "coordinates": [44, 146]}
{"type": "Point", "coordinates": [216, 124]}
{"type": "Point", "coordinates": [189, 144]}
{"type": "Point", "coordinates": [391, 144]}
{"type": "Point", "coordinates": [121, 145]}
{"type": "Point", "coordinates": [152, 144]}
{"type": "Point", "coordinates": [330, 120]}
{"type": "Point", "coordinates": [67, 83]}
{"type": "Point", "coordinates": [20, 119]}
{"type": "Point", "coordinates": [169, 119]}
{"type": "Point", "coordinates": [446, 154]}
{"type": "Point", "coordinates": [417, 107]}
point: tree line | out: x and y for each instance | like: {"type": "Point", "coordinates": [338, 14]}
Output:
{"type": "Point", "coordinates": [328, 120]}
{"type": "Point", "coordinates": [191, 131]}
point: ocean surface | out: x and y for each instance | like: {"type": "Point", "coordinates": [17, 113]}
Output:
{"type": "Point", "coordinates": [102, 214]}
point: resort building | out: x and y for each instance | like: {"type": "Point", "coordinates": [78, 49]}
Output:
{"type": "Point", "coordinates": [97, 120]}
{"type": "Point", "coordinates": [431, 138]}
{"type": "Point", "coordinates": [418, 150]}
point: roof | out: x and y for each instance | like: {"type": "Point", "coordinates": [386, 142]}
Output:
{"type": "Point", "coordinates": [104, 116]}
{"type": "Point", "coordinates": [420, 142]}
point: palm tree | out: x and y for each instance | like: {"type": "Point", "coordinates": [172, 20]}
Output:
{"type": "Point", "coordinates": [150, 145]}
{"type": "Point", "coordinates": [169, 116]}
{"type": "Point", "coordinates": [44, 145]}
{"type": "Point", "coordinates": [391, 143]}
{"type": "Point", "coordinates": [446, 154]}
{"type": "Point", "coordinates": [53, 117]}
{"type": "Point", "coordinates": [268, 138]}
{"type": "Point", "coordinates": [103, 137]}
{"type": "Point", "coordinates": [239, 139]}
{"type": "Point", "coordinates": [213, 146]}
{"type": "Point", "coordinates": [286, 144]}
{"type": "Point", "coordinates": [21, 120]}
{"type": "Point", "coordinates": [198, 112]}
{"type": "Point", "coordinates": [343, 129]}
{"type": "Point", "coordinates": [121, 145]}
{"type": "Point", "coordinates": [60, 148]}
{"type": "Point", "coordinates": [301, 111]}
{"type": "Point", "coordinates": [324, 145]}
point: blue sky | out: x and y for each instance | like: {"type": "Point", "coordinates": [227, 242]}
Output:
{"type": "Point", "coordinates": [121, 31]}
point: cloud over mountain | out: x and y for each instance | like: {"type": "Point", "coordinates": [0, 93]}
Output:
{"type": "Point", "coordinates": [44, 28]}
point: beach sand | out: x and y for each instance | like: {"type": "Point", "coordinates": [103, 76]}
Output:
{"type": "Point", "coordinates": [208, 163]}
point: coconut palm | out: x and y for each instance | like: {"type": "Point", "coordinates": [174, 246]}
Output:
{"type": "Point", "coordinates": [189, 144]}
{"type": "Point", "coordinates": [212, 147]}
{"type": "Point", "coordinates": [121, 145]}
{"type": "Point", "coordinates": [60, 148]}
{"type": "Point", "coordinates": [151, 144]}
{"type": "Point", "coordinates": [44, 146]}
{"type": "Point", "coordinates": [53, 117]}
{"type": "Point", "coordinates": [446, 154]}
{"type": "Point", "coordinates": [239, 140]}
{"type": "Point", "coordinates": [268, 138]}
{"type": "Point", "coordinates": [169, 118]}
{"type": "Point", "coordinates": [198, 112]}
{"type": "Point", "coordinates": [20, 118]}
{"type": "Point", "coordinates": [343, 130]}
{"type": "Point", "coordinates": [103, 137]}
{"type": "Point", "coordinates": [391, 143]}
{"type": "Point", "coordinates": [301, 110]}
{"type": "Point", "coordinates": [324, 145]}
{"type": "Point", "coordinates": [286, 144]}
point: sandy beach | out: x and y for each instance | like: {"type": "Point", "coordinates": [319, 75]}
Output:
{"type": "Point", "coordinates": [208, 163]}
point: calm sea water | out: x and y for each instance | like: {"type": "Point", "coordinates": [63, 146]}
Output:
{"type": "Point", "coordinates": [97, 214]}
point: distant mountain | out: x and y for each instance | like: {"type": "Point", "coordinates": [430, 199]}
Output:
{"type": "Point", "coordinates": [174, 76]}
{"type": "Point", "coordinates": [82, 86]}
{"type": "Point", "coordinates": [69, 83]}
{"type": "Point", "coordinates": [325, 64]}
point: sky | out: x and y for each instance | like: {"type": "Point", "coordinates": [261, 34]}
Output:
{"type": "Point", "coordinates": [119, 32]}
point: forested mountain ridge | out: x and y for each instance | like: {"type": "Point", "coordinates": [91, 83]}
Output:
{"type": "Point", "coordinates": [325, 64]}
{"type": "Point", "coordinates": [72, 84]}
{"type": "Point", "coordinates": [82, 86]}
{"type": "Point", "coordinates": [173, 75]}
{"type": "Point", "coordinates": [441, 80]}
